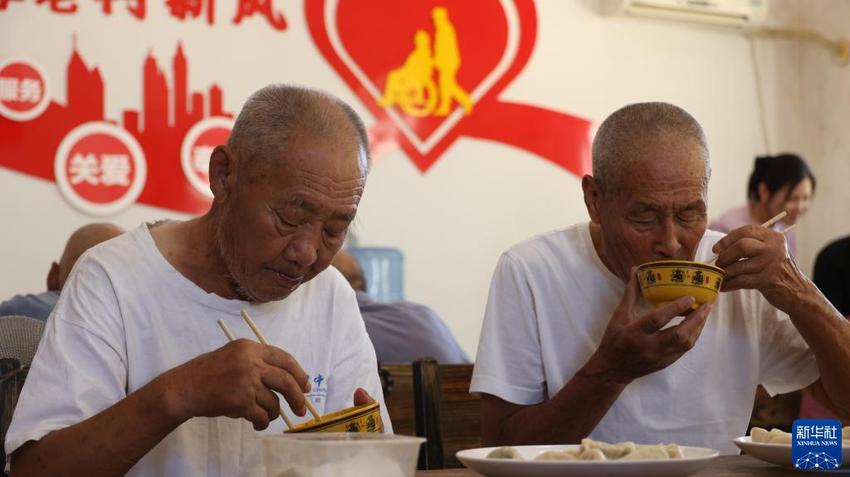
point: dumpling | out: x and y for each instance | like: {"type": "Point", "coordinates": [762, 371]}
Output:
{"type": "Point", "coordinates": [757, 434]}
{"type": "Point", "coordinates": [674, 451]}
{"type": "Point", "coordinates": [557, 455]}
{"type": "Point", "coordinates": [591, 454]}
{"type": "Point", "coordinates": [504, 453]}
{"type": "Point", "coordinates": [611, 451]}
{"type": "Point", "coordinates": [647, 452]}
{"type": "Point", "coordinates": [778, 436]}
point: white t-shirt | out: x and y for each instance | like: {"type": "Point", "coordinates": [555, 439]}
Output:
{"type": "Point", "coordinates": [126, 316]}
{"type": "Point", "coordinates": [550, 301]}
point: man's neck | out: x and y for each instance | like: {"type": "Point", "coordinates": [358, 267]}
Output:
{"type": "Point", "coordinates": [191, 247]}
{"type": "Point", "coordinates": [598, 246]}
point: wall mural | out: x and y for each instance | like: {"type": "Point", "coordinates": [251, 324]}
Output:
{"type": "Point", "coordinates": [429, 72]}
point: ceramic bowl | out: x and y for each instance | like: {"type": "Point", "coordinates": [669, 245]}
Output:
{"type": "Point", "coordinates": [666, 280]}
{"type": "Point", "coordinates": [363, 418]}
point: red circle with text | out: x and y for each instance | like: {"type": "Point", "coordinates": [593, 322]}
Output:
{"type": "Point", "coordinates": [100, 168]}
{"type": "Point", "coordinates": [23, 89]}
{"type": "Point", "coordinates": [198, 145]}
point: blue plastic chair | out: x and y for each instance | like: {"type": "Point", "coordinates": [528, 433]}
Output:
{"type": "Point", "coordinates": [384, 271]}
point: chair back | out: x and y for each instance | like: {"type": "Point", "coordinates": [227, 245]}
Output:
{"type": "Point", "coordinates": [460, 412]}
{"type": "Point", "coordinates": [19, 338]}
{"type": "Point", "coordinates": [12, 376]}
{"type": "Point", "coordinates": [384, 271]}
{"type": "Point", "coordinates": [397, 384]}
{"type": "Point", "coordinates": [433, 401]}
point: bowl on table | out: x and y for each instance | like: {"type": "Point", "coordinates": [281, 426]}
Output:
{"type": "Point", "coordinates": [663, 281]}
{"type": "Point", "coordinates": [343, 454]}
{"type": "Point", "coordinates": [362, 418]}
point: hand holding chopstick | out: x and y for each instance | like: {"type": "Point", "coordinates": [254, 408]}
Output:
{"type": "Point", "coordinates": [264, 341]}
{"type": "Point", "coordinates": [230, 337]}
{"type": "Point", "coordinates": [770, 223]}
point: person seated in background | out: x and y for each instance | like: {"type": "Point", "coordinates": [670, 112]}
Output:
{"type": "Point", "coordinates": [39, 306]}
{"type": "Point", "coordinates": [832, 277]}
{"type": "Point", "coordinates": [570, 349]}
{"type": "Point", "coordinates": [832, 274]}
{"type": "Point", "coordinates": [401, 331]}
{"type": "Point", "coordinates": [134, 377]}
{"type": "Point", "coordinates": [777, 183]}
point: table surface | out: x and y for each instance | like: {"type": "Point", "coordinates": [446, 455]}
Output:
{"type": "Point", "coordinates": [723, 466]}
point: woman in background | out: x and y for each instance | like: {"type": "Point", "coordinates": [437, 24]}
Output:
{"type": "Point", "coordinates": [777, 183]}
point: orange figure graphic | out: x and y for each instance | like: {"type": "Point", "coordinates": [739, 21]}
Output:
{"type": "Point", "coordinates": [447, 62]}
{"type": "Point", "coordinates": [411, 86]}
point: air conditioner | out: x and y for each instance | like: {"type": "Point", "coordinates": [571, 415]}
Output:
{"type": "Point", "coordinates": [744, 14]}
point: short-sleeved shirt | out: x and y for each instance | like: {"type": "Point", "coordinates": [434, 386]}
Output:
{"type": "Point", "coordinates": [126, 316]}
{"type": "Point", "coordinates": [403, 331]}
{"type": "Point", "coordinates": [550, 301]}
{"type": "Point", "coordinates": [34, 306]}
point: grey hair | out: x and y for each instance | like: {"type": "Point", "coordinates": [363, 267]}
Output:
{"type": "Point", "coordinates": [618, 137]}
{"type": "Point", "coordinates": [272, 115]}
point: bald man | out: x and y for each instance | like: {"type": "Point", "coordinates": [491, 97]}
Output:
{"type": "Point", "coordinates": [39, 306]}
{"type": "Point", "coordinates": [569, 348]}
{"type": "Point", "coordinates": [134, 377]}
{"type": "Point", "coordinates": [401, 331]}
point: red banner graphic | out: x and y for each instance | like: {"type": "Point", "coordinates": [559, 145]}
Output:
{"type": "Point", "coordinates": [100, 167]}
{"type": "Point", "coordinates": [432, 71]}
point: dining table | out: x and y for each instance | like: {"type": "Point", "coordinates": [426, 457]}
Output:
{"type": "Point", "coordinates": [722, 466]}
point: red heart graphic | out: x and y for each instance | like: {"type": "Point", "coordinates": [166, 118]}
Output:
{"type": "Point", "coordinates": [369, 42]}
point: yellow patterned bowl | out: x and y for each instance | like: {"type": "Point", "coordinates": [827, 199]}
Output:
{"type": "Point", "coordinates": [362, 418]}
{"type": "Point", "coordinates": [663, 281]}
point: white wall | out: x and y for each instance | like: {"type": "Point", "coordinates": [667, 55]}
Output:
{"type": "Point", "coordinates": [480, 197]}
{"type": "Point", "coordinates": [823, 119]}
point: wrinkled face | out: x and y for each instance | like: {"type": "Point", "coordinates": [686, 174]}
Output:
{"type": "Point", "coordinates": [657, 210]}
{"type": "Point", "coordinates": [796, 202]}
{"type": "Point", "coordinates": [283, 226]}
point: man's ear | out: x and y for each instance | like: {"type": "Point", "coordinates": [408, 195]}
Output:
{"type": "Point", "coordinates": [53, 278]}
{"type": "Point", "coordinates": [222, 167]}
{"type": "Point", "coordinates": [592, 195]}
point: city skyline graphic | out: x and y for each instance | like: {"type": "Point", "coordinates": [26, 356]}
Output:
{"type": "Point", "coordinates": [167, 111]}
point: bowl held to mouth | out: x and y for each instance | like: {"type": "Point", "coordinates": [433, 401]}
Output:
{"type": "Point", "coordinates": [663, 281]}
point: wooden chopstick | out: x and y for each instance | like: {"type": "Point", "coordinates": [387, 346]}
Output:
{"type": "Point", "coordinates": [230, 337]}
{"type": "Point", "coordinates": [775, 219]}
{"type": "Point", "coordinates": [770, 223]}
{"type": "Point", "coordinates": [263, 340]}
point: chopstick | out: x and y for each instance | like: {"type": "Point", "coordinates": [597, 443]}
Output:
{"type": "Point", "coordinates": [230, 337]}
{"type": "Point", "coordinates": [770, 223]}
{"type": "Point", "coordinates": [263, 340]}
{"type": "Point", "coordinates": [777, 218]}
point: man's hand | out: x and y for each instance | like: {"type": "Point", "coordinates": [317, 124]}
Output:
{"type": "Point", "coordinates": [756, 257]}
{"type": "Point", "coordinates": [633, 347]}
{"type": "Point", "coordinates": [238, 380]}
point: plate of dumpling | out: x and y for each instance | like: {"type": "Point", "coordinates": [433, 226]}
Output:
{"type": "Point", "coordinates": [590, 459]}
{"type": "Point", "coordinates": [774, 446]}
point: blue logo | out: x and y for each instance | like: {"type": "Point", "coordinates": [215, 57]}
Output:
{"type": "Point", "coordinates": [816, 444]}
{"type": "Point", "coordinates": [318, 380]}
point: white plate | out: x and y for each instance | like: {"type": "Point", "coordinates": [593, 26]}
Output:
{"type": "Point", "coordinates": [694, 459]}
{"type": "Point", "coordinates": [779, 454]}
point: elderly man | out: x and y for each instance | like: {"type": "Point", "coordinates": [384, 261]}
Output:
{"type": "Point", "coordinates": [569, 349]}
{"type": "Point", "coordinates": [39, 306]}
{"type": "Point", "coordinates": [134, 377]}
